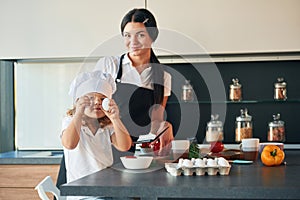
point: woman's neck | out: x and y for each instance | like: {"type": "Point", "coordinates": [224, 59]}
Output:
{"type": "Point", "coordinates": [140, 62]}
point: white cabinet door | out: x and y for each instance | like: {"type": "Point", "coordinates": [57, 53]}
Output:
{"type": "Point", "coordinates": [47, 29]}
{"type": "Point", "coordinates": [231, 26]}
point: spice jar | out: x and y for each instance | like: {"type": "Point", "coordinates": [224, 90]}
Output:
{"type": "Point", "coordinates": [280, 92]}
{"type": "Point", "coordinates": [276, 130]}
{"type": "Point", "coordinates": [214, 129]}
{"type": "Point", "coordinates": [243, 126]}
{"type": "Point", "coordinates": [235, 92]}
{"type": "Point", "coordinates": [187, 91]}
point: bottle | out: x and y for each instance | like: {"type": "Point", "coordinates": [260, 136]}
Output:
{"type": "Point", "coordinates": [243, 126]}
{"type": "Point", "coordinates": [276, 130]}
{"type": "Point", "coordinates": [280, 92]}
{"type": "Point", "coordinates": [235, 92]}
{"type": "Point", "coordinates": [214, 130]}
{"type": "Point", "coordinates": [187, 91]}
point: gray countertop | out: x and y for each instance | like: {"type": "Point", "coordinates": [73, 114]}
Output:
{"type": "Point", "coordinates": [31, 157]}
{"type": "Point", "coordinates": [254, 181]}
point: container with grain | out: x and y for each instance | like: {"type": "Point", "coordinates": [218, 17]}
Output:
{"type": "Point", "coordinates": [235, 90]}
{"type": "Point", "coordinates": [243, 126]}
{"type": "Point", "coordinates": [280, 91]}
{"type": "Point", "coordinates": [276, 131]}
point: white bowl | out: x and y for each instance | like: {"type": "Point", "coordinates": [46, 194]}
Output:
{"type": "Point", "coordinates": [136, 162]}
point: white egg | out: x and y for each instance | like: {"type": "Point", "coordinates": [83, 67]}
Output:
{"type": "Point", "coordinates": [105, 103]}
{"type": "Point", "coordinates": [211, 163]}
{"type": "Point", "coordinates": [187, 163]}
{"type": "Point", "coordinates": [199, 163]}
{"type": "Point", "coordinates": [223, 162]}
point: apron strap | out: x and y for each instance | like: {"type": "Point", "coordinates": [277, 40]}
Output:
{"type": "Point", "coordinates": [119, 75]}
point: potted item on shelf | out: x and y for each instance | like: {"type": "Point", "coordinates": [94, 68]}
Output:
{"type": "Point", "coordinates": [276, 132]}
{"type": "Point", "coordinates": [243, 126]}
{"type": "Point", "coordinates": [235, 91]}
{"type": "Point", "coordinates": [280, 91]}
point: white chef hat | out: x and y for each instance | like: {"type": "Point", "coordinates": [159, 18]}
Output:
{"type": "Point", "coordinates": [95, 81]}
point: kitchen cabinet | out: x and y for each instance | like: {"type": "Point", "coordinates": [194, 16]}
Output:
{"type": "Point", "coordinates": [19, 181]}
{"type": "Point", "coordinates": [221, 27]}
{"type": "Point", "coordinates": [59, 29]}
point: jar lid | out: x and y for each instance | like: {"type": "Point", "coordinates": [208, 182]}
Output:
{"type": "Point", "coordinates": [277, 122]}
{"type": "Point", "coordinates": [187, 85]}
{"type": "Point", "coordinates": [244, 116]}
{"type": "Point", "coordinates": [280, 83]}
{"type": "Point", "coordinates": [235, 83]}
{"type": "Point", "coordinates": [214, 122]}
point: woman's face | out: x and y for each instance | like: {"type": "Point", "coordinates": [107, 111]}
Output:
{"type": "Point", "coordinates": [95, 108]}
{"type": "Point", "coordinates": [136, 38]}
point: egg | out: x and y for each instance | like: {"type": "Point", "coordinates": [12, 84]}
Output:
{"type": "Point", "coordinates": [199, 162]}
{"type": "Point", "coordinates": [180, 163]}
{"type": "Point", "coordinates": [187, 163]}
{"type": "Point", "coordinates": [223, 162]}
{"type": "Point", "coordinates": [105, 104]}
{"type": "Point", "coordinates": [211, 163]}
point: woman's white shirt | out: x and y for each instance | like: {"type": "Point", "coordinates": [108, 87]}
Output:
{"type": "Point", "coordinates": [129, 73]}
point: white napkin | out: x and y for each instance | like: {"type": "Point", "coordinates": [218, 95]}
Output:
{"type": "Point", "coordinates": [149, 136]}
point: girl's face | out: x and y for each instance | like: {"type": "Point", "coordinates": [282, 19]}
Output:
{"type": "Point", "coordinates": [136, 38]}
{"type": "Point", "coordinates": [95, 108]}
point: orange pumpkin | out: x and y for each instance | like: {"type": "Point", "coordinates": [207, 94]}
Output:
{"type": "Point", "coordinates": [272, 155]}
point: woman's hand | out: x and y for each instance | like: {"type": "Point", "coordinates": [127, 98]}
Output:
{"type": "Point", "coordinates": [166, 138]}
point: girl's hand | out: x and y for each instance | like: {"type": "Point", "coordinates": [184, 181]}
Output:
{"type": "Point", "coordinates": [113, 110]}
{"type": "Point", "coordinates": [81, 104]}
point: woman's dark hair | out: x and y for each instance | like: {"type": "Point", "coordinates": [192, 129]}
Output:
{"type": "Point", "coordinates": [146, 17]}
{"type": "Point", "coordinates": [143, 16]}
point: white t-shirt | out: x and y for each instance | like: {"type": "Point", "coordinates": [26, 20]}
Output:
{"type": "Point", "coordinates": [93, 152]}
{"type": "Point", "coordinates": [130, 74]}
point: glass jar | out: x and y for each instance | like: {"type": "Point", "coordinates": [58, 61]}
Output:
{"type": "Point", "coordinates": [187, 91]}
{"type": "Point", "coordinates": [280, 92]}
{"type": "Point", "coordinates": [276, 132]}
{"type": "Point", "coordinates": [235, 91]}
{"type": "Point", "coordinates": [243, 126]}
{"type": "Point", "coordinates": [214, 130]}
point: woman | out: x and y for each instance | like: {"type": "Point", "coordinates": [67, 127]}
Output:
{"type": "Point", "coordinates": [143, 87]}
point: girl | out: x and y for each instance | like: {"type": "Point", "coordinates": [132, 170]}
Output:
{"type": "Point", "coordinates": [89, 131]}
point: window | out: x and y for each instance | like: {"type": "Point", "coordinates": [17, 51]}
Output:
{"type": "Point", "coordinates": [41, 99]}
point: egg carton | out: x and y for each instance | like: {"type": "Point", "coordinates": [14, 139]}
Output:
{"type": "Point", "coordinates": [174, 170]}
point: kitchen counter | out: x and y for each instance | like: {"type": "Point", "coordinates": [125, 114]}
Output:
{"type": "Point", "coordinates": [254, 181]}
{"type": "Point", "coordinates": [31, 157]}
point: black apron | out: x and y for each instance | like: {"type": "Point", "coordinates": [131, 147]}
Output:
{"type": "Point", "coordinates": [135, 104]}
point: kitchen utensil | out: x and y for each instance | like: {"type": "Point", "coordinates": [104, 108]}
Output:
{"type": "Point", "coordinates": [153, 140]}
{"type": "Point", "coordinates": [240, 161]}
